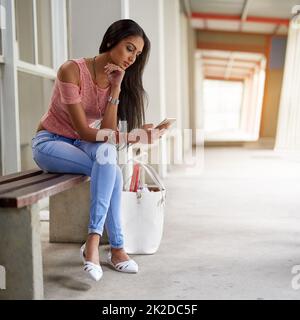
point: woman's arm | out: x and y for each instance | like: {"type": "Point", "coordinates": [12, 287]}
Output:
{"type": "Point", "coordinates": [110, 118]}
{"type": "Point", "coordinates": [115, 75]}
{"type": "Point", "coordinates": [69, 73]}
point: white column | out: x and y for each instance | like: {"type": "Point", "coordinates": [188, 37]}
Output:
{"type": "Point", "coordinates": [10, 136]}
{"type": "Point", "coordinates": [125, 9]}
{"type": "Point", "coordinates": [288, 129]}
{"type": "Point", "coordinates": [59, 31]}
{"type": "Point", "coordinates": [172, 67]}
{"type": "Point", "coordinates": [252, 104]}
{"type": "Point", "coordinates": [260, 94]}
{"type": "Point", "coordinates": [149, 15]}
{"type": "Point", "coordinates": [198, 89]}
{"type": "Point", "coordinates": [172, 62]}
{"type": "Point", "coordinates": [245, 103]}
{"type": "Point", "coordinates": [184, 72]}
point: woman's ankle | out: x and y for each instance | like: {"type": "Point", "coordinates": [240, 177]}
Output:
{"type": "Point", "coordinates": [116, 250]}
{"type": "Point", "coordinates": [93, 239]}
{"type": "Point", "coordinates": [91, 252]}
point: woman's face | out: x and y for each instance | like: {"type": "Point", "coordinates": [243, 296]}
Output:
{"type": "Point", "coordinates": [126, 51]}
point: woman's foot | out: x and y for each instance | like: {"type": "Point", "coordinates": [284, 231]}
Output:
{"type": "Point", "coordinates": [90, 256]}
{"type": "Point", "coordinates": [120, 261]}
{"type": "Point", "coordinates": [118, 255]}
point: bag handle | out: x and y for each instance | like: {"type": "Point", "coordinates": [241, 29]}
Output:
{"type": "Point", "coordinates": [151, 172]}
{"type": "Point", "coordinates": [153, 175]}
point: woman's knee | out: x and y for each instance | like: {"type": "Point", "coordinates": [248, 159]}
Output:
{"type": "Point", "coordinates": [106, 153]}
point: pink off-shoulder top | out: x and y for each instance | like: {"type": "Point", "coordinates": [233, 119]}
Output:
{"type": "Point", "coordinates": [91, 96]}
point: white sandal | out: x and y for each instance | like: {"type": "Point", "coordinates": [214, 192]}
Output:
{"type": "Point", "coordinates": [92, 269]}
{"type": "Point", "coordinates": [128, 266]}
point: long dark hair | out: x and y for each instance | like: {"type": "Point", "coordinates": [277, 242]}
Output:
{"type": "Point", "coordinates": [133, 95]}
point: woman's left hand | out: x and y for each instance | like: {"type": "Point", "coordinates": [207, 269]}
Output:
{"type": "Point", "coordinates": [162, 128]}
{"type": "Point", "coordinates": [115, 74]}
{"type": "Point", "coordinates": [148, 126]}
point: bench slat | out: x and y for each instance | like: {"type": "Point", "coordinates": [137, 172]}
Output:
{"type": "Point", "coordinates": [20, 175]}
{"type": "Point", "coordinates": [31, 194]}
{"type": "Point", "coordinates": [19, 184]}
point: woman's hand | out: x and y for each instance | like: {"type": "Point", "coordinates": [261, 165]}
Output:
{"type": "Point", "coordinates": [164, 126]}
{"type": "Point", "coordinates": [115, 74]}
{"type": "Point", "coordinates": [153, 135]}
{"type": "Point", "coordinates": [145, 135]}
{"type": "Point", "coordinates": [147, 126]}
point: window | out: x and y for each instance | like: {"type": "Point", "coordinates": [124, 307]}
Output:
{"type": "Point", "coordinates": [41, 39]}
{"type": "Point", "coordinates": [30, 111]}
{"type": "Point", "coordinates": [44, 31]}
{"type": "Point", "coordinates": [25, 30]}
{"type": "Point", "coordinates": [41, 34]}
{"type": "Point", "coordinates": [36, 30]}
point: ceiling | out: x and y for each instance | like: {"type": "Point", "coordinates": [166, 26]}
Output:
{"type": "Point", "coordinates": [269, 17]}
{"type": "Point", "coordinates": [228, 65]}
{"type": "Point", "coordinates": [254, 16]}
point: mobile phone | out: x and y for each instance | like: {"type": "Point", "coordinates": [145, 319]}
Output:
{"type": "Point", "coordinates": [169, 121]}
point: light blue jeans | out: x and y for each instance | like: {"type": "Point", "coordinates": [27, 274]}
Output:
{"type": "Point", "coordinates": [98, 160]}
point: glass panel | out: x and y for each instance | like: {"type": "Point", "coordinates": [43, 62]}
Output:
{"type": "Point", "coordinates": [24, 30]}
{"type": "Point", "coordinates": [44, 25]}
{"type": "Point", "coordinates": [31, 107]}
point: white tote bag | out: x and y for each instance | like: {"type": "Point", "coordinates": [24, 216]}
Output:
{"type": "Point", "coordinates": [142, 217]}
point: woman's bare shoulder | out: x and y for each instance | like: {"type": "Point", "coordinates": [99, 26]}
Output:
{"type": "Point", "coordinates": [69, 72]}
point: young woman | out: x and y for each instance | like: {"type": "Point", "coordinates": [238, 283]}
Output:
{"type": "Point", "coordinates": [108, 88]}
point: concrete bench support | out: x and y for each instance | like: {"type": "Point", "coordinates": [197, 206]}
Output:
{"type": "Point", "coordinates": [20, 237]}
{"type": "Point", "coordinates": [20, 253]}
{"type": "Point", "coordinates": [69, 215]}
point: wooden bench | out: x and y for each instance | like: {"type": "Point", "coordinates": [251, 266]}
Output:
{"type": "Point", "coordinates": [20, 238]}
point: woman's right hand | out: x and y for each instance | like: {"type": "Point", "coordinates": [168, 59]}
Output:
{"type": "Point", "coordinates": [115, 74]}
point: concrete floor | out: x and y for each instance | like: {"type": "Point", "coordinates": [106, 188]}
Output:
{"type": "Point", "coordinates": [232, 231]}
